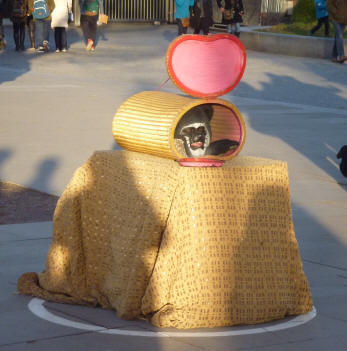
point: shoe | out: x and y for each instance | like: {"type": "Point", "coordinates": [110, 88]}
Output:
{"type": "Point", "coordinates": [17, 48]}
{"type": "Point", "coordinates": [57, 50]}
{"type": "Point", "coordinates": [32, 48]}
{"type": "Point", "coordinates": [22, 48]}
{"type": "Point", "coordinates": [336, 60]}
{"type": "Point", "coordinates": [64, 50]}
{"type": "Point", "coordinates": [40, 49]}
{"type": "Point", "coordinates": [343, 58]}
{"type": "Point", "coordinates": [89, 44]}
{"type": "Point", "coordinates": [92, 48]}
{"type": "Point", "coordinates": [45, 46]}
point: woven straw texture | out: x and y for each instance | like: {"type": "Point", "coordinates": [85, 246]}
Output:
{"type": "Point", "coordinates": [146, 123]}
{"type": "Point", "coordinates": [186, 247]}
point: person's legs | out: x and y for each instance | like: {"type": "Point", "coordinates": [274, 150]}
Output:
{"type": "Point", "coordinates": [339, 29]}
{"type": "Point", "coordinates": [16, 35]}
{"type": "Point", "coordinates": [181, 29]}
{"type": "Point", "coordinates": [2, 38]}
{"type": "Point", "coordinates": [31, 31]}
{"type": "Point", "coordinates": [39, 28]}
{"type": "Point", "coordinates": [92, 27]}
{"type": "Point", "coordinates": [22, 35]}
{"type": "Point", "coordinates": [46, 30]}
{"type": "Point", "coordinates": [57, 38]}
{"type": "Point", "coordinates": [317, 26]}
{"type": "Point", "coordinates": [63, 39]}
{"type": "Point", "coordinates": [229, 28]}
{"type": "Point", "coordinates": [205, 25]}
{"type": "Point", "coordinates": [84, 26]}
{"type": "Point", "coordinates": [326, 26]}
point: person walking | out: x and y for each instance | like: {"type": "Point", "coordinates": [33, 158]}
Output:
{"type": "Point", "coordinates": [338, 14]}
{"type": "Point", "coordinates": [18, 11]}
{"type": "Point", "coordinates": [60, 17]}
{"type": "Point", "coordinates": [322, 15]}
{"type": "Point", "coordinates": [90, 10]}
{"type": "Point", "coordinates": [182, 15]}
{"type": "Point", "coordinates": [232, 16]}
{"type": "Point", "coordinates": [203, 11]}
{"type": "Point", "coordinates": [42, 14]}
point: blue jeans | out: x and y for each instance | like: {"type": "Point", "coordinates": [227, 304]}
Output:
{"type": "Point", "coordinates": [42, 28]}
{"type": "Point", "coordinates": [338, 49]}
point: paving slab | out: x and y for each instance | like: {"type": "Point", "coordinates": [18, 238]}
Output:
{"type": "Point", "coordinates": [57, 109]}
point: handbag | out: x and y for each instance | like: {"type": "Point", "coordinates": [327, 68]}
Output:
{"type": "Point", "coordinates": [103, 18]}
{"type": "Point", "coordinates": [185, 22]}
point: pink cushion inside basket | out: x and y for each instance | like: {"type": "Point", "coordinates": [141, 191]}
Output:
{"type": "Point", "coordinates": [208, 67]}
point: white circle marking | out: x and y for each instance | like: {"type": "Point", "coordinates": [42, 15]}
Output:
{"type": "Point", "coordinates": [38, 309]}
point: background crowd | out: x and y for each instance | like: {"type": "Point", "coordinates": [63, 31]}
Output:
{"type": "Point", "coordinates": [42, 16]}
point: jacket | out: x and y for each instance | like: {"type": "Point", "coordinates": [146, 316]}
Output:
{"type": "Point", "coordinates": [15, 19]}
{"type": "Point", "coordinates": [182, 8]}
{"type": "Point", "coordinates": [338, 10]}
{"type": "Point", "coordinates": [50, 4]}
{"type": "Point", "coordinates": [60, 13]}
{"type": "Point", "coordinates": [236, 6]}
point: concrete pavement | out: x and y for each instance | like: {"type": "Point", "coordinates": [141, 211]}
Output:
{"type": "Point", "coordinates": [56, 109]}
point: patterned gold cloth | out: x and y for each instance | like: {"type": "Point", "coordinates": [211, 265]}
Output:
{"type": "Point", "coordinates": [185, 247]}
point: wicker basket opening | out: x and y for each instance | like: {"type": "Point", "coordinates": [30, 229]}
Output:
{"type": "Point", "coordinates": [215, 130]}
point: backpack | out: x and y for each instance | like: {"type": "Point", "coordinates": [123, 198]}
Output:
{"type": "Point", "coordinates": [19, 8]}
{"type": "Point", "coordinates": [91, 6]}
{"type": "Point", "coordinates": [41, 10]}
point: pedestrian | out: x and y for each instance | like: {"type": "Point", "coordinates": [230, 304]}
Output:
{"type": "Point", "coordinates": [42, 14]}
{"type": "Point", "coordinates": [60, 17]}
{"type": "Point", "coordinates": [90, 10]}
{"type": "Point", "coordinates": [322, 15]}
{"type": "Point", "coordinates": [18, 11]}
{"type": "Point", "coordinates": [338, 14]}
{"type": "Point", "coordinates": [203, 11]}
{"type": "Point", "coordinates": [232, 16]}
{"type": "Point", "coordinates": [2, 37]}
{"type": "Point", "coordinates": [182, 15]}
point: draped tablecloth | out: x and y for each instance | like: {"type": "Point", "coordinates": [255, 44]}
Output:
{"type": "Point", "coordinates": [183, 247]}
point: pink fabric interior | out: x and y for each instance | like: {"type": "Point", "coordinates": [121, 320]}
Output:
{"type": "Point", "coordinates": [208, 66]}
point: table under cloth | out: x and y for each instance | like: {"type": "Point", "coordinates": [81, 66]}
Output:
{"type": "Point", "coordinates": [185, 247]}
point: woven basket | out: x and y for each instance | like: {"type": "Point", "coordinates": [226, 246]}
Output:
{"type": "Point", "coordinates": [204, 67]}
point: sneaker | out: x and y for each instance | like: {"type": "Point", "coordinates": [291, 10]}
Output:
{"type": "Point", "coordinates": [92, 48]}
{"type": "Point", "coordinates": [89, 44]}
{"type": "Point", "coordinates": [64, 50]}
{"type": "Point", "coordinates": [45, 46]}
{"type": "Point", "coordinates": [57, 50]}
{"type": "Point", "coordinates": [40, 49]}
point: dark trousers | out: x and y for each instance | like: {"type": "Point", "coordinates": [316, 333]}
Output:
{"type": "Point", "coordinates": [89, 24]}
{"type": "Point", "coordinates": [60, 38]}
{"type": "Point", "coordinates": [19, 34]}
{"type": "Point", "coordinates": [204, 26]}
{"type": "Point", "coordinates": [181, 29]}
{"type": "Point", "coordinates": [321, 21]}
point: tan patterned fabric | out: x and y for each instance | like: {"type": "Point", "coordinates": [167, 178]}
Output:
{"type": "Point", "coordinates": [186, 247]}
